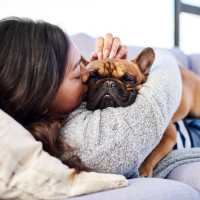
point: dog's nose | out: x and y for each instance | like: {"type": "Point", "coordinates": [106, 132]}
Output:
{"type": "Point", "coordinates": [110, 84]}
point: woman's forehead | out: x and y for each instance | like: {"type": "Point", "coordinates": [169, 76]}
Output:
{"type": "Point", "coordinates": [73, 50]}
{"type": "Point", "coordinates": [73, 56]}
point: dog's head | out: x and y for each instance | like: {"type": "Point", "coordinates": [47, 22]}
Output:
{"type": "Point", "coordinates": [115, 82]}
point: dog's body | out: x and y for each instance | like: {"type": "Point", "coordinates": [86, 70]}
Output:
{"type": "Point", "coordinates": [189, 105]}
{"type": "Point", "coordinates": [116, 83]}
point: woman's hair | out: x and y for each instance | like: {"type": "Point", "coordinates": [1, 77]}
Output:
{"type": "Point", "coordinates": [33, 56]}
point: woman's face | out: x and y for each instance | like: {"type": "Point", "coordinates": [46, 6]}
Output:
{"type": "Point", "coordinates": [71, 90]}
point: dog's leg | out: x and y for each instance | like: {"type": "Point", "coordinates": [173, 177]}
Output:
{"type": "Point", "coordinates": [162, 149]}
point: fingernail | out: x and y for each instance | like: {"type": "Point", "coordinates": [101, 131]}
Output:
{"type": "Point", "coordinates": [111, 54]}
{"type": "Point", "coordinates": [105, 55]}
{"type": "Point", "coordinates": [99, 55]}
{"type": "Point", "coordinates": [94, 54]}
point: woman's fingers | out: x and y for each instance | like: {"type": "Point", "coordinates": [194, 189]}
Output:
{"type": "Point", "coordinates": [122, 52]}
{"type": "Point", "coordinates": [115, 47]}
{"type": "Point", "coordinates": [99, 47]}
{"type": "Point", "coordinates": [108, 42]}
{"type": "Point", "coordinates": [109, 47]}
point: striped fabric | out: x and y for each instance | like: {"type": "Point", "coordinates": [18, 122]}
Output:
{"type": "Point", "coordinates": [188, 133]}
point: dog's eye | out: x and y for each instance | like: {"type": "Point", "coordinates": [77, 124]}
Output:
{"type": "Point", "coordinates": [129, 78]}
{"type": "Point", "coordinates": [94, 76]}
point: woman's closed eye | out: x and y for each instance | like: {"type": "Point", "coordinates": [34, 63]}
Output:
{"type": "Point", "coordinates": [78, 77]}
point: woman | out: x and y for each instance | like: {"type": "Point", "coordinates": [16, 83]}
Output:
{"type": "Point", "coordinates": [40, 78]}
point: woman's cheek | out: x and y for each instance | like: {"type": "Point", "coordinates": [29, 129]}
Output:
{"type": "Point", "coordinates": [77, 91]}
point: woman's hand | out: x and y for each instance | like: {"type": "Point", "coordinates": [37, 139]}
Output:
{"type": "Point", "coordinates": [109, 47]}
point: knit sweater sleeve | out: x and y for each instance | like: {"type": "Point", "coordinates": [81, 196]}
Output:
{"type": "Point", "coordinates": [117, 140]}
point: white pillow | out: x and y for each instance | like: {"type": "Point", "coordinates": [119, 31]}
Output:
{"type": "Point", "coordinates": [28, 172]}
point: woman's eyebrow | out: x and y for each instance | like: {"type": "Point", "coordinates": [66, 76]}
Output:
{"type": "Point", "coordinates": [77, 63]}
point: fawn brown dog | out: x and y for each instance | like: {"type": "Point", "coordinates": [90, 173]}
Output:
{"type": "Point", "coordinates": [116, 82]}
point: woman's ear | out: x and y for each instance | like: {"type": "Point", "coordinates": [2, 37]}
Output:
{"type": "Point", "coordinates": [83, 70]}
{"type": "Point", "coordinates": [145, 59]}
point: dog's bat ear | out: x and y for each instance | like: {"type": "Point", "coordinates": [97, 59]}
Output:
{"type": "Point", "coordinates": [83, 70]}
{"type": "Point", "coordinates": [145, 59]}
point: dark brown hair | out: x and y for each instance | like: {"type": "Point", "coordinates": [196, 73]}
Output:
{"type": "Point", "coordinates": [33, 56]}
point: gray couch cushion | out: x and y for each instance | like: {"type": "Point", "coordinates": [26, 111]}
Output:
{"type": "Point", "coordinates": [187, 173]}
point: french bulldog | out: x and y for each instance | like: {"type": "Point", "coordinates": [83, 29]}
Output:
{"type": "Point", "coordinates": [116, 82]}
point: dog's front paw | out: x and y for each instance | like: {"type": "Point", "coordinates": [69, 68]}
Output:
{"type": "Point", "coordinates": [88, 182]}
{"type": "Point", "coordinates": [146, 170]}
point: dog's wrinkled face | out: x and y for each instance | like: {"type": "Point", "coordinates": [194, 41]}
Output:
{"type": "Point", "coordinates": [115, 82]}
